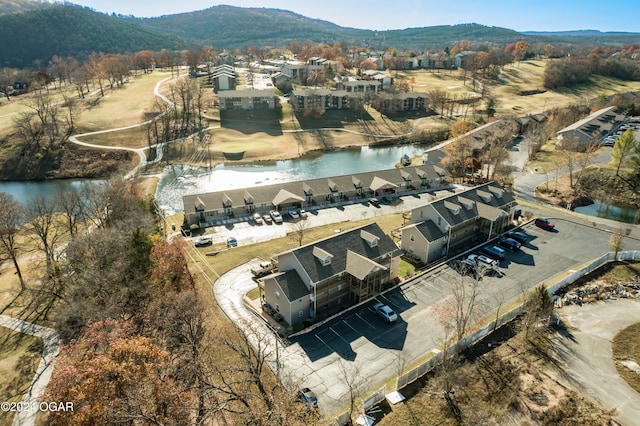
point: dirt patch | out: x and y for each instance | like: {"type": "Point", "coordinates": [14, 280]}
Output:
{"type": "Point", "coordinates": [626, 355]}
{"type": "Point", "coordinates": [598, 183]}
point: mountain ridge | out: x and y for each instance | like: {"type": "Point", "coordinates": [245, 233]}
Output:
{"type": "Point", "coordinates": [38, 30]}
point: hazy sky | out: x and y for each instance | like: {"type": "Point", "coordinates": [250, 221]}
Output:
{"type": "Point", "coordinates": [520, 15]}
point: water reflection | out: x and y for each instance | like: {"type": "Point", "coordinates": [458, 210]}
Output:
{"type": "Point", "coordinates": [24, 191]}
{"type": "Point", "coordinates": [177, 181]}
{"type": "Point", "coordinates": [618, 212]}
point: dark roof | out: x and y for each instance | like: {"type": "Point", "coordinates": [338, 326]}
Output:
{"type": "Point", "coordinates": [455, 212]}
{"type": "Point", "coordinates": [292, 285]}
{"type": "Point", "coordinates": [430, 230]}
{"type": "Point", "coordinates": [463, 206]}
{"type": "Point", "coordinates": [338, 246]}
{"type": "Point", "coordinates": [490, 193]}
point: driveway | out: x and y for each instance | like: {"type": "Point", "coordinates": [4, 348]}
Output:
{"type": "Point", "coordinates": [585, 353]}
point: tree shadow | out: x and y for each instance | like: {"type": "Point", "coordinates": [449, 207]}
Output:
{"type": "Point", "coordinates": [252, 121]}
{"type": "Point", "coordinates": [333, 118]}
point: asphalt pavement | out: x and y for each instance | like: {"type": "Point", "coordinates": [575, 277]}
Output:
{"type": "Point", "coordinates": [584, 351]}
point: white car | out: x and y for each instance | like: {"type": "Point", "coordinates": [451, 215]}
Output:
{"type": "Point", "coordinates": [203, 241]}
{"type": "Point", "coordinates": [277, 218]}
{"type": "Point", "coordinates": [257, 218]}
{"type": "Point", "coordinates": [294, 214]}
{"type": "Point", "coordinates": [385, 312]}
{"type": "Point", "coordinates": [482, 261]}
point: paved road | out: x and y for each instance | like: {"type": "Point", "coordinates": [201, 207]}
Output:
{"type": "Point", "coordinates": [526, 180]}
{"type": "Point", "coordinates": [585, 352]}
{"type": "Point", "coordinates": [45, 368]}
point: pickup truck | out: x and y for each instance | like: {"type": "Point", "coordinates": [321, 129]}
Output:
{"type": "Point", "coordinates": [264, 268]}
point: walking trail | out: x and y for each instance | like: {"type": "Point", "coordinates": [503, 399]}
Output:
{"type": "Point", "coordinates": [50, 351]}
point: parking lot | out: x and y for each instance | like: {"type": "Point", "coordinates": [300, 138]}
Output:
{"type": "Point", "coordinates": [362, 344]}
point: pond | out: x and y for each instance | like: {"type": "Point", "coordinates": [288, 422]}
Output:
{"type": "Point", "coordinates": [619, 212]}
{"type": "Point", "coordinates": [24, 191]}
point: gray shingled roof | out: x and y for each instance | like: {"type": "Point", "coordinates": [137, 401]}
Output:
{"type": "Point", "coordinates": [453, 211]}
{"type": "Point", "coordinates": [292, 285]}
{"type": "Point", "coordinates": [490, 193]}
{"type": "Point", "coordinates": [430, 230]}
{"type": "Point", "coordinates": [338, 246]}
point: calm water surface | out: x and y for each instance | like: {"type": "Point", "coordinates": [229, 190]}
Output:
{"type": "Point", "coordinates": [178, 181]}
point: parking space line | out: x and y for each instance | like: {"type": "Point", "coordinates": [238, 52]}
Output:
{"type": "Point", "coordinates": [339, 336]}
{"type": "Point", "coordinates": [366, 322]}
{"type": "Point", "coordinates": [350, 326]}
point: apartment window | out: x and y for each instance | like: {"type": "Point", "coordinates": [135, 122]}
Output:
{"type": "Point", "coordinates": [300, 313]}
{"type": "Point", "coordinates": [278, 294]}
{"type": "Point", "coordinates": [439, 221]}
{"type": "Point", "coordinates": [412, 237]}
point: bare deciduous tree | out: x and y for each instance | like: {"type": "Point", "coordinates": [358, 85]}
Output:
{"type": "Point", "coordinates": [72, 208]}
{"type": "Point", "coordinates": [11, 219]}
{"type": "Point", "coordinates": [40, 213]}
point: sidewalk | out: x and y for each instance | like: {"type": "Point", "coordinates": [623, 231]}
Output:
{"type": "Point", "coordinates": [50, 351]}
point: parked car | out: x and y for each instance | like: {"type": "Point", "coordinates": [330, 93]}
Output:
{"type": "Point", "coordinates": [264, 268]}
{"type": "Point", "coordinates": [257, 218]}
{"type": "Point", "coordinates": [303, 214]}
{"type": "Point", "coordinates": [232, 242]}
{"type": "Point", "coordinates": [509, 243]}
{"type": "Point", "coordinates": [374, 202]}
{"type": "Point", "coordinates": [275, 215]}
{"type": "Point", "coordinates": [385, 312]}
{"type": "Point", "coordinates": [519, 236]}
{"type": "Point", "coordinates": [294, 215]}
{"type": "Point", "coordinates": [482, 261]}
{"type": "Point", "coordinates": [310, 398]}
{"type": "Point", "coordinates": [495, 251]}
{"type": "Point", "coordinates": [543, 223]}
{"type": "Point", "coordinates": [267, 219]}
{"type": "Point", "coordinates": [203, 241]}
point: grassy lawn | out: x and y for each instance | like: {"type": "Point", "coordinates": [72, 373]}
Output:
{"type": "Point", "coordinates": [227, 260]}
{"type": "Point", "coordinates": [406, 269]}
{"type": "Point", "coordinates": [545, 158]}
{"type": "Point", "coordinates": [19, 358]}
{"type": "Point", "coordinates": [123, 106]}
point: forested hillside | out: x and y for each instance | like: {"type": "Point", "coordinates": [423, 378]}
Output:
{"type": "Point", "coordinates": [36, 31]}
{"type": "Point", "coordinates": [17, 6]}
{"type": "Point", "coordinates": [72, 31]}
